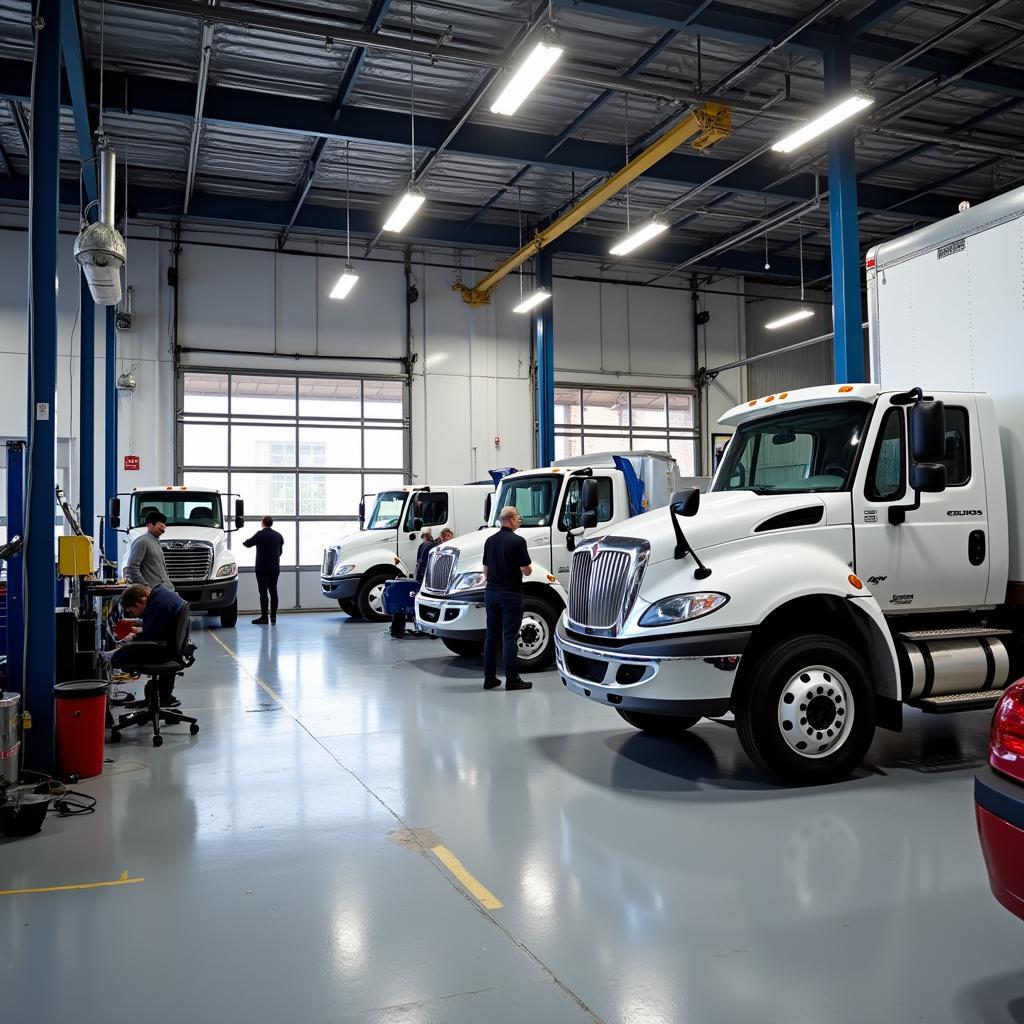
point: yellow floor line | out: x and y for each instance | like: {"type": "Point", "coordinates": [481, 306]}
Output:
{"type": "Point", "coordinates": [266, 686]}
{"type": "Point", "coordinates": [476, 889]}
{"type": "Point", "coordinates": [123, 880]}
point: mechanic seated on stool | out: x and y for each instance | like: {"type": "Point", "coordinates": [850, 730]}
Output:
{"type": "Point", "coordinates": [159, 609]}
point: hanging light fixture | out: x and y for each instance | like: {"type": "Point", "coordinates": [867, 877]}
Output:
{"type": "Point", "coordinates": [540, 296]}
{"type": "Point", "coordinates": [804, 312]}
{"type": "Point", "coordinates": [539, 61]}
{"type": "Point", "coordinates": [412, 199]}
{"type": "Point", "coordinates": [824, 122]}
{"type": "Point", "coordinates": [349, 277]}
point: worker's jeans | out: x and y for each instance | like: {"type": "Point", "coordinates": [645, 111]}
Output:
{"type": "Point", "coordinates": [267, 584]}
{"type": "Point", "coordinates": [504, 618]}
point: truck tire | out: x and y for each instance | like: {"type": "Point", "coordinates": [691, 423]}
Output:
{"type": "Point", "coordinates": [464, 648]}
{"type": "Point", "coordinates": [537, 635]}
{"type": "Point", "coordinates": [349, 607]}
{"type": "Point", "coordinates": [658, 725]}
{"type": "Point", "coordinates": [369, 600]}
{"type": "Point", "coordinates": [229, 616]}
{"type": "Point", "coordinates": [805, 712]}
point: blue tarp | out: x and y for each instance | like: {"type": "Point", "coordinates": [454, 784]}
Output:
{"type": "Point", "coordinates": [634, 485]}
{"type": "Point", "coordinates": [497, 475]}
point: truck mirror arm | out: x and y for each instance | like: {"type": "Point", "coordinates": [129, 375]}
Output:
{"type": "Point", "coordinates": [684, 548]}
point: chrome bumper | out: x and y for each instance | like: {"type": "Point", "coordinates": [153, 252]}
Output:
{"type": "Point", "coordinates": [458, 619]}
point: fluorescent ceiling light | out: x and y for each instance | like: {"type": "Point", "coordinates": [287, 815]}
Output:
{"type": "Point", "coordinates": [836, 115]}
{"type": "Point", "coordinates": [789, 318]}
{"type": "Point", "coordinates": [345, 283]}
{"type": "Point", "coordinates": [644, 234]}
{"type": "Point", "coordinates": [537, 64]}
{"type": "Point", "coordinates": [406, 209]}
{"type": "Point", "coordinates": [532, 301]}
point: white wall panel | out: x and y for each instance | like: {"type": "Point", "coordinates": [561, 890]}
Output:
{"type": "Point", "coordinates": [371, 321]}
{"type": "Point", "coordinates": [296, 306]}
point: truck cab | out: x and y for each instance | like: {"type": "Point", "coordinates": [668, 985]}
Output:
{"type": "Point", "coordinates": [354, 570]}
{"type": "Point", "coordinates": [195, 544]}
{"type": "Point", "coordinates": [550, 501]}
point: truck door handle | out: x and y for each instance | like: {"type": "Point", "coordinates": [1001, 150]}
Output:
{"type": "Point", "coordinates": [976, 547]}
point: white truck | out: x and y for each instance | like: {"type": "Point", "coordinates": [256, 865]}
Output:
{"type": "Point", "coordinates": [450, 603]}
{"type": "Point", "coordinates": [354, 570]}
{"type": "Point", "coordinates": [860, 550]}
{"type": "Point", "coordinates": [195, 544]}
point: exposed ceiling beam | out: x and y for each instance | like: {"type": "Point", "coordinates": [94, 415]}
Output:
{"type": "Point", "coordinates": [261, 113]}
{"type": "Point", "coordinates": [374, 20]}
{"type": "Point", "coordinates": [202, 78]}
{"type": "Point", "coordinates": [74, 67]}
{"type": "Point", "coordinates": [868, 18]}
{"type": "Point", "coordinates": [165, 204]}
{"type": "Point", "coordinates": [5, 163]}
{"type": "Point", "coordinates": [758, 28]}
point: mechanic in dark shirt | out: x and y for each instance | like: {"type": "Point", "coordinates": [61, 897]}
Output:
{"type": "Point", "coordinates": [159, 609]}
{"type": "Point", "coordinates": [268, 544]}
{"type": "Point", "coordinates": [506, 562]}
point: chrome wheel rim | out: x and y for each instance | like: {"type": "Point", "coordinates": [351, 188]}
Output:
{"type": "Point", "coordinates": [815, 712]}
{"type": "Point", "coordinates": [375, 599]}
{"type": "Point", "coordinates": [534, 636]}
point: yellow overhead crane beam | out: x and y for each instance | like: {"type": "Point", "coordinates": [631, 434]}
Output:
{"type": "Point", "coordinates": [710, 123]}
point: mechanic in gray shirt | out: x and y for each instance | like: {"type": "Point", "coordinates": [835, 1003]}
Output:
{"type": "Point", "coordinates": [146, 559]}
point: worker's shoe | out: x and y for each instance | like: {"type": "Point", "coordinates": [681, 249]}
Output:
{"type": "Point", "coordinates": [170, 702]}
{"type": "Point", "coordinates": [518, 684]}
{"type": "Point", "coordinates": [492, 684]}
{"type": "Point", "coordinates": [273, 620]}
{"type": "Point", "coordinates": [261, 621]}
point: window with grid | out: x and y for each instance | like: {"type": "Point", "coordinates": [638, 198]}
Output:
{"type": "Point", "coordinates": [301, 449]}
{"type": "Point", "coordinates": [590, 421]}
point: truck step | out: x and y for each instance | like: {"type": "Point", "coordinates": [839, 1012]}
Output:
{"type": "Point", "coordinates": [954, 633]}
{"type": "Point", "coordinates": [954, 702]}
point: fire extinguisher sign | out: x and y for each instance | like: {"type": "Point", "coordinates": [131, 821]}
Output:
{"type": "Point", "coordinates": [132, 462]}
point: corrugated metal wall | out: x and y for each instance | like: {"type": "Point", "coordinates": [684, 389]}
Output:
{"type": "Point", "coordinates": [804, 368]}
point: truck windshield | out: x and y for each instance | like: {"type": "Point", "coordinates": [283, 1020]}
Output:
{"type": "Point", "coordinates": [192, 508]}
{"type": "Point", "coordinates": [534, 496]}
{"type": "Point", "coordinates": [803, 450]}
{"type": "Point", "coordinates": [387, 510]}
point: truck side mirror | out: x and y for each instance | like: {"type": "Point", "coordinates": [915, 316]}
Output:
{"type": "Point", "coordinates": [239, 513]}
{"type": "Point", "coordinates": [928, 432]}
{"type": "Point", "coordinates": [362, 515]}
{"type": "Point", "coordinates": [590, 496]}
{"type": "Point", "coordinates": [686, 503]}
{"type": "Point", "coordinates": [928, 477]}
{"type": "Point", "coordinates": [114, 513]}
{"type": "Point", "coordinates": [589, 518]}
{"type": "Point", "coordinates": [488, 502]}
{"type": "Point", "coordinates": [417, 524]}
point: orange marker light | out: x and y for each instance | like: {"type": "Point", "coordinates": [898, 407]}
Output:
{"type": "Point", "coordinates": [855, 583]}
{"type": "Point", "coordinates": [770, 398]}
{"type": "Point", "coordinates": [751, 405]}
{"type": "Point", "coordinates": [552, 579]}
{"type": "Point", "coordinates": [846, 389]}
{"type": "Point", "coordinates": [785, 394]}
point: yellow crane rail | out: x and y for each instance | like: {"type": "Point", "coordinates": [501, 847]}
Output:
{"type": "Point", "coordinates": [710, 123]}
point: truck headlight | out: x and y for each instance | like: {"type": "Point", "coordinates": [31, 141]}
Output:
{"type": "Point", "coordinates": [343, 570]}
{"type": "Point", "coordinates": [231, 569]}
{"type": "Point", "coordinates": [682, 608]}
{"type": "Point", "coordinates": [469, 581]}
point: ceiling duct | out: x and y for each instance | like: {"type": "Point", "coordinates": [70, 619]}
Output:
{"type": "Point", "coordinates": [99, 248]}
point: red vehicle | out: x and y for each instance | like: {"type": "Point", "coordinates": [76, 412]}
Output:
{"type": "Point", "coordinates": [999, 801]}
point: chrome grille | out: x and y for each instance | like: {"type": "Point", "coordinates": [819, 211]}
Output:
{"type": "Point", "coordinates": [330, 557]}
{"type": "Point", "coordinates": [440, 570]}
{"type": "Point", "coordinates": [597, 585]}
{"type": "Point", "coordinates": [187, 561]}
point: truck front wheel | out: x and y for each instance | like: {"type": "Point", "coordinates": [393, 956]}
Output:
{"type": "Point", "coordinates": [658, 725]}
{"type": "Point", "coordinates": [805, 712]}
{"type": "Point", "coordinates": [370, 599]}
{"type": "Point", "coordinates": [537, 635]}
{"type": "Point", "coordinates": [464, 648]}
{"type": "Point", "coordinates": [229, 616]}
{"type": "Point", "coordinates": [349, 607]}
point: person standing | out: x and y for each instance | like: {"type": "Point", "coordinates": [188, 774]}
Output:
{"type": "Point", "coordinates": [506, 562]}
{"type": "Point", "coordinates": [268, 544]}
{"type": "Point", "coordinates": [427, 544]}
{"type": "Point", "coordinates": [146, 563]}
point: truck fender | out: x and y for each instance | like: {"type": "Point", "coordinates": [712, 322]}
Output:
{"type": "Point", "coordinates": [373, 559]}
{"type": "Point", "coordinates": [883, 659]}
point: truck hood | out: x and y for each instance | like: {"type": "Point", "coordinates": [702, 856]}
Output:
{"type": "Point", "coordinates": [471, 546]}
{"type": "Point", "coordinates": [366, 540]}
{"type": "Point", "coordinates": [204, 533]}
{"type": "Point", "coordinates": [723, 517]}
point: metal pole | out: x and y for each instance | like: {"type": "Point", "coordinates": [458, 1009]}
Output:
{"type": "Point", "coordinates": [110, 436]}
{"type": "Point", "coordinates": [848, 344]}
{"type": "Point", "coordinates": [87, 414]}
{"type": "Point", "coordinates": [38, 564]}
{"type": "Point", "coordinates": [15, 565]}
{"type": "Point", "coordinates": [544, 345]}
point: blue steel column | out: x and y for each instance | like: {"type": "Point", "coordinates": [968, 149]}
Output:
{"type": "Point", "coordinates": [544, 346]}
{"type": "Point", "coordinates": [110, 437]}
{"type": "Point", "coordinates": [87, 414]}
{"type": "Point", "coordinates": [848, 345]}
{"type": "Point", "coordinates": [40, 617]}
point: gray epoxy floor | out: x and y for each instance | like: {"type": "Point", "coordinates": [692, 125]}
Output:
{"type": "Point", "coordinates": [643, 881]}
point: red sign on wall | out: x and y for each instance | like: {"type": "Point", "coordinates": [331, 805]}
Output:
{"type": "Point", "coordinates": [132, 462]}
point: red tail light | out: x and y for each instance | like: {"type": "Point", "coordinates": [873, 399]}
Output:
{"type": "Point", "coordinates": [1006, 744]}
